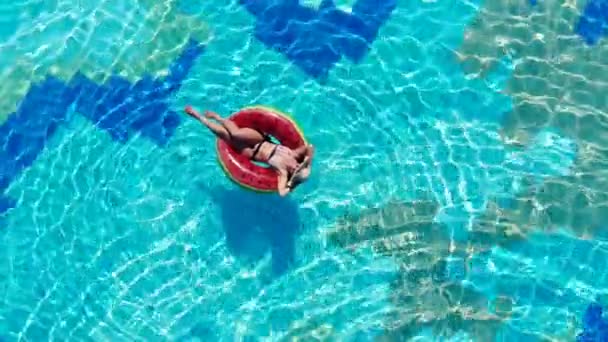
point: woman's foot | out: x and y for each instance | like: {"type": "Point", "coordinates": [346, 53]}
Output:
{"type": "Point", "coordinates": [204, 119]}
{"type": "Point", "coordinates": [213, 115]}
{"type": "Point", "coordinates": [192, 112]}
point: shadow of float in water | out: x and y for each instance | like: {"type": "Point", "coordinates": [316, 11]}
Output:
{"type": "Point", "coordinates": [256, 222]}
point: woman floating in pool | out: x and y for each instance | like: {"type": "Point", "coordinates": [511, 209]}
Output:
{"type": "Point", "coordinates": [293, 166]}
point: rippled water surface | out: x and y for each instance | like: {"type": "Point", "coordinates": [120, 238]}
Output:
{"type": "Point", "coordinates": [458, 192]}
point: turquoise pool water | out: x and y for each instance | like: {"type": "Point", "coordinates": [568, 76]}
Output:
{"type": "Point", "coordinates": [430, 214]}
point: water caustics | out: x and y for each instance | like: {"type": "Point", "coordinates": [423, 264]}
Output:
{"type": "Point", "coordinates": [458, 191]}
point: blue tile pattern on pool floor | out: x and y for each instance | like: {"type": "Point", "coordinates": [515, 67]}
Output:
{"type": "Point", "coordinates": [315, 39]}
{"type": "Point", "coordinates": [117, 106]}
{"type": "Point", "coordinates": [595, 326]}
{"type": "Point", "coordinates": [593, 24]}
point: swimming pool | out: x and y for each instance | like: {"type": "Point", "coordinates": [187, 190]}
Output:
{"type": "Point", "coordinates": [458, 191]}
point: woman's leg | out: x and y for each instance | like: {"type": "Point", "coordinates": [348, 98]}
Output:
{"type": "Point", "coordinates": [227, 130]}
{"type": "Point", "coordinates": [245, 136]}
{"type": "Point", "coordinates": [219, 130]}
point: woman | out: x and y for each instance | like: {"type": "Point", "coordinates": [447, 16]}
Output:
{"type": "Point", "coordinates": [293, 166]}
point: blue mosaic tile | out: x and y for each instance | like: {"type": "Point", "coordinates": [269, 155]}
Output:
{"type": "Point", "coordinates": [595, 326]}
{"type": "Point", "coordinates": [315, 39]}
{"type": "Point", "coordinates": [118, 106]}
{"type": "Point", "coordinates": [593, 24]}
{"type": "Point", "coordinates": [5, 204]}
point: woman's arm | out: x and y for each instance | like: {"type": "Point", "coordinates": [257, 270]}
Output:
{"type": "Point", "coordinates": [282, 184]}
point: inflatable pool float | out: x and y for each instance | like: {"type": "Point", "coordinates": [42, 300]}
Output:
{"type": "Point", "coordinates": [241, 169]}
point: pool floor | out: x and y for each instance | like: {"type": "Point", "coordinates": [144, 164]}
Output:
{"type": "Point", "coordinates": [457, 190]}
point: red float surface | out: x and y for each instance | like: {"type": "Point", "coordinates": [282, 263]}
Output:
{"type": "Point", "coordinates": [242, 170]}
